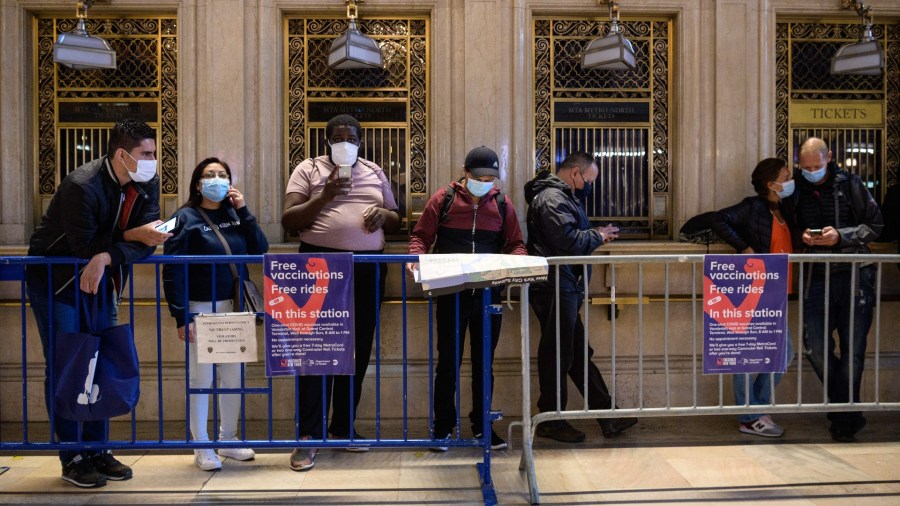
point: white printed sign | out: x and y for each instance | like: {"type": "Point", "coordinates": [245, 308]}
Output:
{"type": "Point", "coordinates": [225, 337]}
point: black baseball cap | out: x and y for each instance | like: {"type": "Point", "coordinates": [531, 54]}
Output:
{"type": "Point", "coordinates": [482, 161]}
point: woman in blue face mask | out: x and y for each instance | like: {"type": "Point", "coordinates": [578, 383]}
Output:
{"type": "Point", "coordinates": [215, 211]}
{"type": "Point", "coordinates": [761, 224]}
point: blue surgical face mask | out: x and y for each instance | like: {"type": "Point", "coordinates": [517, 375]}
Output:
{"type": "Point", "coordinates": [787, 189]}
{"type": "Point", "coordinates": [478, 188]}
{"type": "Point", "coordinates": [814, 176]}
{"type": "Point", "coordinates": [585, 191]}
{"type": "Point", "coordinates": [214, 189]}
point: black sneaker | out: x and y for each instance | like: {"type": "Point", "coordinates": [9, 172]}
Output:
{"type": "Point", "coordinates": [561, 431]}
{"type": "Point", "coordinates": [497, 442]}
{"type": "Point", "coordinates": [612, 427]}
{"type": "Point", "coordinates": [114, 470]}
{"type": "Point", "coordinates": [80, 472]}
{"type": "Point", "coordinates": [441, 436]}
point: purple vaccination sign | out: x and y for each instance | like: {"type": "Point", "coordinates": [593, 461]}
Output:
{"type": "Point", "coordinates": [309, 314]}
{"type": "Point", "coordinates": [744, 313]}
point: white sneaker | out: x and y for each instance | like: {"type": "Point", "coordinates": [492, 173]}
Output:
{"type": "Point", "coordinates": [760, 427]}
{"type": "Point", "coordinates": [207, 460]}
{"type": "Point", "coordinates": [236, 453]}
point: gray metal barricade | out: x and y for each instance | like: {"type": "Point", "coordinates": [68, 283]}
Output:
{"type": "Point", "coordinates": [684, 290]}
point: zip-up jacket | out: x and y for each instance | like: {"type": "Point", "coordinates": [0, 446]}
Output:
{"type": "Point", "coordinates": [82, 221]}
{"type": "Point", "coordinates": [558, 226]}
{"type": "Point", "coordinates": [467, 227]}
{"type": "Point", "coordinates": [842, 202]}
{"type": "Point", "coordinates": [749, 223]}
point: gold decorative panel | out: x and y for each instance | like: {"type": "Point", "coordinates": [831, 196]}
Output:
{"type": "Point", "coordinates": [391, 103]}
{"type": "Point", "coordinates": [76, 108]}
{"type": "Point", "coordinates": [622, 117]}
{"type": "Point", "coordinates": [858, 116]}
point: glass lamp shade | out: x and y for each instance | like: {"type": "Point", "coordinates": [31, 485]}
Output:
{"type": "Point", "coordinates": [859, 58]}
{"type": "Point", "coordinates": [613, 52]}
{"type": "Point", "coordinates": [353, 50]}
{"type": "Point", "coordinates": [81, 51]}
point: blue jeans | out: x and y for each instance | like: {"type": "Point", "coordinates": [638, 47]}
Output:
{"type": "Point", "coordinates": [819, 335]}
{"type": "Point", "coordinates": [63, 315]}
{"type": "Point", "coordinates": [760, 386]}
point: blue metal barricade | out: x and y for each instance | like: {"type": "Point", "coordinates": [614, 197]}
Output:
{"type": "Point", "coordinates": [163, 437]}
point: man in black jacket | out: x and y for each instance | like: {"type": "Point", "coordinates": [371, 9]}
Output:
{"type": "Point", "coordinates": [837, 215]}
{"type": "Point", "coordinates": [558, 226]}
{"type": "Point", "coordinates": [105, 211]}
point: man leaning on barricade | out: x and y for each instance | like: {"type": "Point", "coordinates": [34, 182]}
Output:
{"type": "Point", "coordinates": [558, 226]}
{"type": "Point", "coordinates": [105, 211]}
{"type": "Point", "coordinates": [837, 216]}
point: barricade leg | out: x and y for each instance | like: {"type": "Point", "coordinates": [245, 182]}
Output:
{"type": "Point", "coordinates": [484, 469]}
{"type": "Point", "coordinates": [526, 463]}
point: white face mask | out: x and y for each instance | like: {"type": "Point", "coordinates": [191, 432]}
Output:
{"type": "Point", "coordinates": [146, 169]}
{"type": "Point", "coordinates": [478, 188]}
{"type": "Point", "coordinates": [344, 153]}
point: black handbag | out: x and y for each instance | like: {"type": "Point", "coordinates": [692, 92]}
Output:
{"type": "Point", "coordinates": [245, 291]}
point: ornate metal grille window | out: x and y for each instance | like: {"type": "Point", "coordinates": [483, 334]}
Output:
{"type": "Point", "coordinates": [858, 116]}
{"type": "Point", "coordinates": [390, 103]}
{"type": "Point", "coordinates": [621, 117]}
{"type": "Point", "coordinates": [76, 108]}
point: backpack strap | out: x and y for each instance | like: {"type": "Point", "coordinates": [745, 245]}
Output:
{"type": "Point", "coordinates": [449, 193]}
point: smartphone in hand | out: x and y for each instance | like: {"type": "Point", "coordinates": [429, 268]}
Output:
{"type": "Point", "coordinates": [815, 231]}
{"type": "Point", "coordinates": [345, 172]}
{"type": "Point", "coordinates": [167, 226]}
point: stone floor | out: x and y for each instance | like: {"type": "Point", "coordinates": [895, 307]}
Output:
{"type": "Point", "coordinates": [684, 460]}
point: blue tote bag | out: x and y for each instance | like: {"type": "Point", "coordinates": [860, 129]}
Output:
{"type": "Point", "coordinates": [97, 372]}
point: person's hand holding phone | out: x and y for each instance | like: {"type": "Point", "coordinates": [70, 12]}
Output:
{"type": "Point", "coordinates": [147, 233]}
{"type": "Point", "coordinates": [827, 236]}
{"type": "Point", "coordinates": [236, 197]}
{"type": "Point", "coordinates": [608, 233]}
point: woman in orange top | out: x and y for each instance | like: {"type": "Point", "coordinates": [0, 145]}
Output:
{"type": "Point", "coordinates": [761, 224]}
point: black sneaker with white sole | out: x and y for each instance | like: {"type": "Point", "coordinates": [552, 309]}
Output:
{"type": "Point", "coordinates": [497, 442]}
{"type": "Point", "coordinates": [81, 472]}
{"type": "Point", "coordinates": [439, 436]}
{"type": "Point", "coordinates": [107, 465]}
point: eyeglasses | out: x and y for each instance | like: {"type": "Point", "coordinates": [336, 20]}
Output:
{"type": "Point", "coordinates": [213, 175]}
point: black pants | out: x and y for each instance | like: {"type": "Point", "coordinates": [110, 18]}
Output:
{"type": "Point", "coordinates": [571, 352]}
{"type": "Point", "coordinates": [469, 314]}
{"type": "Point", "coordinates": [366, 304]}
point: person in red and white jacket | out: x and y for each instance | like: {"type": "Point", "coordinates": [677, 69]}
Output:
{"type": "Point", "coordinates": [476, 217]}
